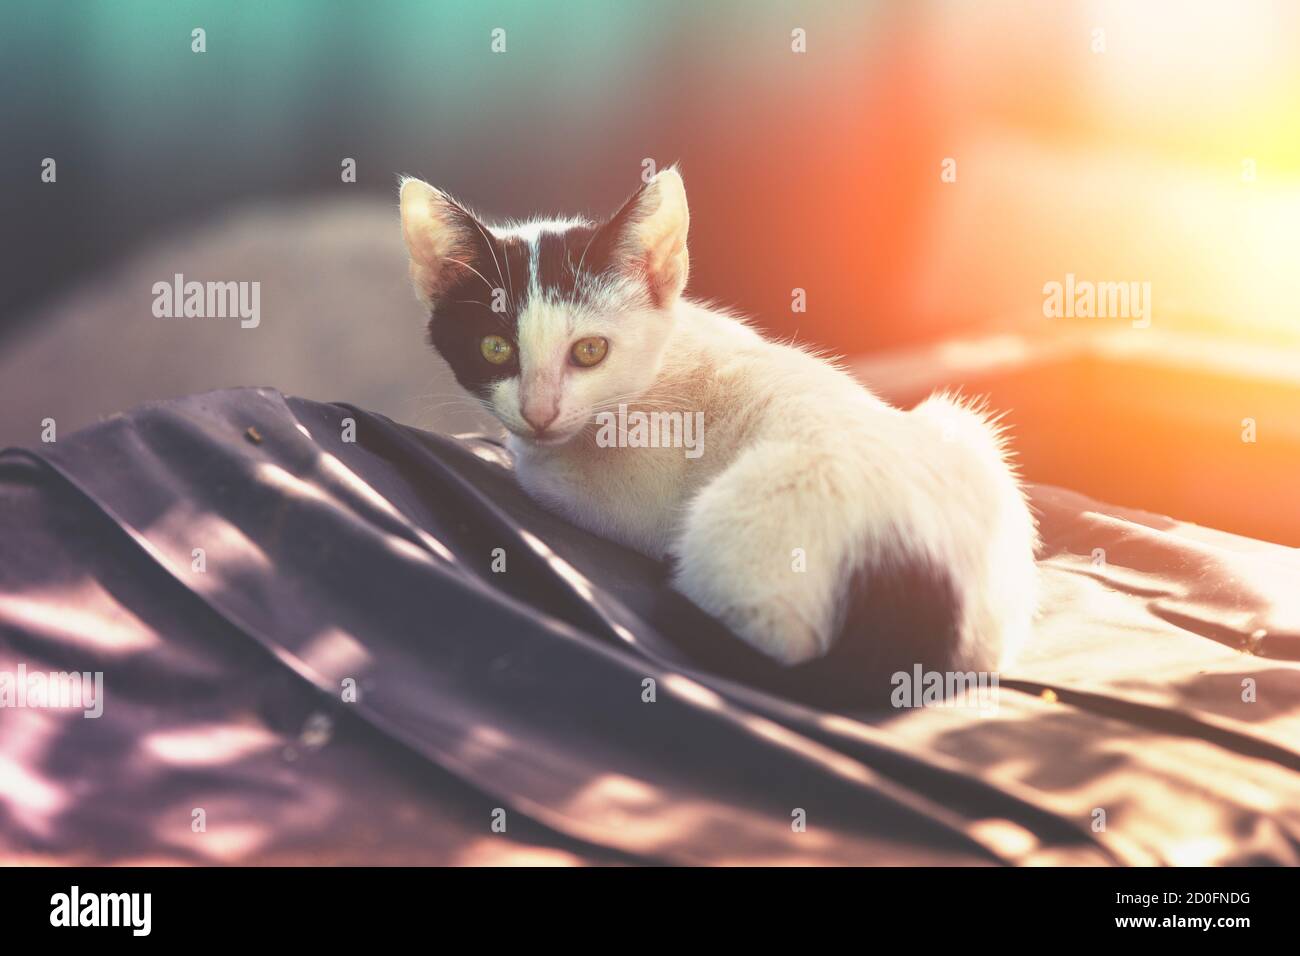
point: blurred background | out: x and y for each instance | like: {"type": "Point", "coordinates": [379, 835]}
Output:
{"type": "Point", "coordinates": [922, 170]}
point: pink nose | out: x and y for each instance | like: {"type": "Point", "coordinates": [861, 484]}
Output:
{"type": "Point", "coordinates": [540, 418]}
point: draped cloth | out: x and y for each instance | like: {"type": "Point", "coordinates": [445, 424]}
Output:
{"type": "Point", "coordinates": [325, 637]}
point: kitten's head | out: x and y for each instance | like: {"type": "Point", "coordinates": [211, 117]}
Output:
{"type": "Point", "coordinates": [550, 322]}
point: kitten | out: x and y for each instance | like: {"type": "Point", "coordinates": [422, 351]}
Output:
{"type": "Point", "coordinates": [810, 492]}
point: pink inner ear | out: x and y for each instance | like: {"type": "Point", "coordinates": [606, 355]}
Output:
{"type": "Point", "coordinates": [663, 269]}
{"type": "Point", "coordinates": [641, 268]}
{"type": "Point", "coordinates": [432, 255]}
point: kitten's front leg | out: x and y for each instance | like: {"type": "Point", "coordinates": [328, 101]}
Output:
{"type": "Point", "coordinates": [764, 550]}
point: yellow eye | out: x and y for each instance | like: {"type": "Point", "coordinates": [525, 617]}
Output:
{"type": "Point", "coordinates": [589, 352]}
{"type": "Point", "coordinates": [496, 349]}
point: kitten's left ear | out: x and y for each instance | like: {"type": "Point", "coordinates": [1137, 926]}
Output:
{"type": "Point", "coordinates": [652, 229]}
{"type": "Point", "coordinates": [438, 233]}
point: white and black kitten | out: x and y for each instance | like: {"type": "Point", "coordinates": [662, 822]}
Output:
{"type": "Point", "coordinates": [811, 492]}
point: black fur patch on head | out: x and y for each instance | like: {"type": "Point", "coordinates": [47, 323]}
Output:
{"type": "Point", "coordinates": [463, 314]}
{"type": "Point", "coordinates": [565, 262]}
{"type": "Point", "coordinates": [558, 255]}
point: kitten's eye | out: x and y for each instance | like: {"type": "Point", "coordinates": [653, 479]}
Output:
{"type": "Point", "coordinates": [496, 349]}
{"type": "Point", "coordinates": [589, 352]}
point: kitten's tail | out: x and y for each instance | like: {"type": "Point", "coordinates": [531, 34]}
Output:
{"type": "Point", "coordinates": [968, 421]}
{"type": "Point", "coordinates": [981, 471]}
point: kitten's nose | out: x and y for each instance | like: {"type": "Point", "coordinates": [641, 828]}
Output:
{"type": "Point", "coordinates": [540, 418]}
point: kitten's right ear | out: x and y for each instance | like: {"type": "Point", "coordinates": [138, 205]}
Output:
{"type": "Point", "coordinates": [649, 235]}
{"type": "Point", "coordinates": [439, 237]}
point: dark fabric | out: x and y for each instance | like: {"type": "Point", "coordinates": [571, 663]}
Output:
{"type": "Point", "coordinates": [522, 691]}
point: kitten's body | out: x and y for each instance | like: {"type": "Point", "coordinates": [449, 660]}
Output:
{"type": "Point", "coordinates": [809, 487]}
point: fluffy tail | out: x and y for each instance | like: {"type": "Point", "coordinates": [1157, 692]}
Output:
{"type": "Point", "coordinates": [983, 481]}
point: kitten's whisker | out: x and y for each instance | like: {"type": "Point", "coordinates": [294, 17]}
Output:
{"type": "Point", "coordinates": [683, 407]}
{"type": "Point", "coordinates": [642, 397]}
{"type": "Point", "coordinates": [492, 249]}
{"type": "Point", "coordinates": [633, 399]}
{"type": "Point", "coordinates": [473, 270]}
{"type": "Point", "coordinates": [577, 273]}
{"type": "Point", "coordinates": [449, 403]}
{"type": "Point", "coordinates": [510, 280]}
